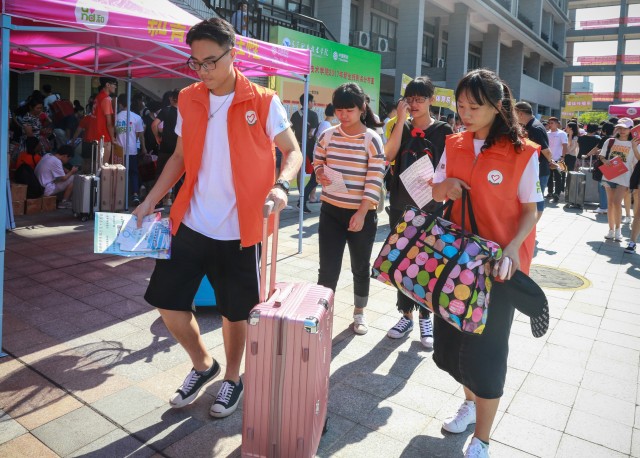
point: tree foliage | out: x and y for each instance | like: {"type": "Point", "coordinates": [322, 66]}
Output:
{"type": "Point", "coordinates": [593, 116]}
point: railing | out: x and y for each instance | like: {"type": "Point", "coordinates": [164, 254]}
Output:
{"type": "Point", "coordinates": [262, 17]}
{"type": "Point", "coordinates": [628, 59]}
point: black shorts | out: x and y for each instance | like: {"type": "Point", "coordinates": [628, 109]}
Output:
{"type": "Point", "coordinates": [477, 362]}
{"type": "Point", "coordinates": [233, 272]}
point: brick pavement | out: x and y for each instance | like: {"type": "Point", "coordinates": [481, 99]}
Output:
{"type": "Point", "coordinates": [92, 367]}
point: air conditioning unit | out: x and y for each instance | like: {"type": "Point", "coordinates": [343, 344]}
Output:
{"type": "Point", "coordinates": [441, 62]}
{"type": "Point", "coordinates": [383, 45]}
{"type": "Point", "coordinates": [363, 40]}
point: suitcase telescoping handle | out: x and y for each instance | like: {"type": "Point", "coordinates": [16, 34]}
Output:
{"type": "Point", "coordinates": [266, 212]}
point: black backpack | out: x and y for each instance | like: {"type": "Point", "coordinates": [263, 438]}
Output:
{"type": "Point", "coordinates": [25, 175]}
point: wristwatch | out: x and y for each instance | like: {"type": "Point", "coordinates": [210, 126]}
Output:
{"type": "Point", "coordinates": [282, 184]}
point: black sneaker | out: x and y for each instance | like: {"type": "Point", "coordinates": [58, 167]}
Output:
{"type": "Point", "coordinates": [191, 386]}
{"type": "Point", "coordinates": [227, 399]}
{"type": "Point", "coordinates": [631, 248]}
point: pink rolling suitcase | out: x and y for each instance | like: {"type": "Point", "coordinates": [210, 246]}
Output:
{"type": "Point", "coordinates": [286, 365]}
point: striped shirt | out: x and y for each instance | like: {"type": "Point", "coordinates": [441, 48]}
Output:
{"type": "Point", "coordinates": [360, 160]}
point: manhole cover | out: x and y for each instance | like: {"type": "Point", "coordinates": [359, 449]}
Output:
{"type": "Point", "coordinates": [555, 278]}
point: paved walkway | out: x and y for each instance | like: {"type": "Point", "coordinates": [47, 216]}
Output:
{"type": "Point", "coordinates": [91, 366]}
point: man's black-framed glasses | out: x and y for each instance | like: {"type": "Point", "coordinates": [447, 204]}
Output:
{"type": "Point", "coordinates": [207, 64]}
{"type": "Point", "coordinates": [417, 99]}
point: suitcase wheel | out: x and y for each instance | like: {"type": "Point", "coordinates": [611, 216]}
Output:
{"type": "Point", "coordinates": [84, 218]}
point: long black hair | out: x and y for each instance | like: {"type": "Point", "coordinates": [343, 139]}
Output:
{"type": "Point", "coordinates": [350, 95]}
{"type": "Point", "coordinates": [485, 87]}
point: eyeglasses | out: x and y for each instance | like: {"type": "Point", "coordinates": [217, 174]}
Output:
{"type": "Point", "coordinates": [411, 100]}
{"type": "Point", "coordinates": [207, 64]}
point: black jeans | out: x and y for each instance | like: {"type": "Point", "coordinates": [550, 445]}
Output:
{"type": "Point", "coordinates": [403, 303]}
{"type": "Point", "coordinates": [333, 235]}
{"type": "Point", "coordinates": [311, 185]}
{"type": "Point", "coordinates": [570, 161]}
{"type": "Point", "coordinates": [556, 182]}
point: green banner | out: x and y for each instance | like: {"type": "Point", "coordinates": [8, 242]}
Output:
{"type": "Point", "coordinates": [332, 64]}
{"type": "Point", "coordinates": [445, 98]}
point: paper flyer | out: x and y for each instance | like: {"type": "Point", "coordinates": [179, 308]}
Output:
{"type": "Point", "coordinates": [415, 180]}
{"type": "Point", "coordinates": [337, 182]}
{"type": "Point", "coordinates": [152, 241]}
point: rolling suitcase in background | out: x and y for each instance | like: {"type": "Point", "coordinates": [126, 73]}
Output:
{"type": "Point", "coordinates": [85, 201]}
{"type": "Point", "coordinates": [575, 189]}
{"type": "Point", "coordinates": [287, 361]}
{"type": "Point", "coordinates": [592, 193]}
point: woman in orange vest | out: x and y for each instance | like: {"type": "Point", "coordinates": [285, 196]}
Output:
{"type": "Point", "coordinates": [499, 169]}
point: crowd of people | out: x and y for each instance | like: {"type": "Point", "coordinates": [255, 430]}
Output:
{"type": "Point", "coordinates": [45, 126]}
{"type": "Point", "coordinates": [494, 149]}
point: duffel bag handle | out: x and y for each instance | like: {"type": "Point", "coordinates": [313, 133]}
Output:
{"type": "Point", "coordinates": [466, 201]}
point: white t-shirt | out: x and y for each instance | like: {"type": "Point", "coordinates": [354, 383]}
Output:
{"type": "Point", "coordinates": [324, 125]}
{"type": "Point", "coordinates": [623, 150]}
{"type": "Point", "coordinates": [528, 188]}
{"type": "Point", "coordinates": [48, 100]}
{"type": "Point", "coordinates": [136, 126]}
{"type": "Point", "coordinates": [556, 140]}
{"type": "Point", "coordinates": [213, 210]}
{"type": "Point", "coordinates": [48, 169]}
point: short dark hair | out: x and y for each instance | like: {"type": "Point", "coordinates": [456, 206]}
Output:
{"type": "Point", "coordinates": [422, 85]}
{"type": "Point", "coordinates": [104, 80]}
{"type": "Point", "coordinates": [592, 127]}
{"type": "Point", "coordinates": [31, 144]}
{"type": "Point", "coordinates": [329, 111]}
{"type": "Point", "coordinates": [302, 99]}
{"type": "Point", "coordinates": [215, 29]}
{"type": "Point", "coordinates": [524, 107]}
{"type": "Point", "coordinates": [553, 118]}
{"type": "Point", "coordinates": [122, 99]}
{"type": "Point", "coordinates": [47, 88]}
{"type": "Point", "coordinates": [65, 150]}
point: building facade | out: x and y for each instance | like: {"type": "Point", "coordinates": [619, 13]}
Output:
{"type": "Point", "coordinates": [611, 25]}
{"type": "Point", "coordinates": [523, 40]}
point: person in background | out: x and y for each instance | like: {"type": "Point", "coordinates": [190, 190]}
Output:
{"type": "Point", "coordinates": [228, 159]}
{"type": "Point", "coordinates": [606, 130]}
{"type": "Point", "coordinates": [625, 147]}
{"type": "Point", "coordinates": [492, 145]}
{"type": "Point", "coordinates": [240, 19]}
{"type": "Point", "coordinates": [634, 186]}
{"type": "Point", "coordinates": [410, 141]}
{"type": "Point", "coordinates": [310, 190]}
{"type": "Point", "coordinates": [572, 146]}
{"type": "Point", "coordinates": [451, 120]}
{"type": "Point", "coordinates": [130, 137]}
{"type": "Point", "coordinates": [49, 98]}
{"type": "Point", "coordinates": [164, 130]}
{"type": "Point", "coordinates": [537, 134]}
{"type": "Point", "coordinates": [53, 177]}
{"type": "Point", "coordinates": [312, 124]}
{"type": "Point", "coordinates": [558, 146]}
{"type": "Point", "coordinates": [104, 117]}
{"type": "Point", "coordinates": [350, 218]}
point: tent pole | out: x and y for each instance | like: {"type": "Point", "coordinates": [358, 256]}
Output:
{"type": "Point", "coordinates": [303, 173]}
{"type": "Point", "coordinates": [4, 150]}
{"type": "Point", "coordinates": [126, 146]}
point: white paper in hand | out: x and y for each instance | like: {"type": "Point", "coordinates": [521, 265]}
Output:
{"type": "Point", "coordinates": [415, 180]}
{"type": "Point", "coordinates": [337, 185]}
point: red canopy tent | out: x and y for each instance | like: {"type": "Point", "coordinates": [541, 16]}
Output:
{"type": "Point", "coordinates": [125, 39]}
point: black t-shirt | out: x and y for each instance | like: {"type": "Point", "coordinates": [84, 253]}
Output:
{"type": "Point", "coordinates": [586, 143]}
{"type": "Point", "coordinates": [538, 134]}
{"type": "Point", "coordinates": [296, 123]}
{"type": "Point", "coordinates": [169, 116]}
{"type": "Point", "coordinates": [413, 147]}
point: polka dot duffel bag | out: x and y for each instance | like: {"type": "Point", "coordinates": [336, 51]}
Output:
{"type": "Point", "coordinates": [437, 264]}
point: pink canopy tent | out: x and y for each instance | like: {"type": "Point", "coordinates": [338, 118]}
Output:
{"type": "Point", "coordinates": [627, 110]}
{"type": "Point", "coordinates": [125, 39]}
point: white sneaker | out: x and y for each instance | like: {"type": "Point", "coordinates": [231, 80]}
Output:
{"type": "Point", "coordinates": [465, 416]}
{"type": "Point", "coordinates": [626, 219]}
{"type": "Point", "coordinates": [610, 235]}
{"type": "Point", "coordinates": [360, 324]}
{"type": "Point", "coordinates": [600, 210]}
{"type": "Point", "coordinates": [618, 236]}
{"type": "Point", "coordinates": [477, 449]}
{"type": "Point", "coordinates": [426, 333]}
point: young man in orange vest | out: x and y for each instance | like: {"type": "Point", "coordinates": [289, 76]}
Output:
{"type": "Point", "coordinates": [226, 129]}
{"type": "Point", "coordinates": [104, 116]}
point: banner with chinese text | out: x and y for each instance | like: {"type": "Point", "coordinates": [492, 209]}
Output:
{"type": "Point", "coordinates": [578, 102]}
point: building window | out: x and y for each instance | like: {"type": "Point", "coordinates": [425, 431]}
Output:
{"type": "Point", "coordinates": [474, 57]}
{"type": "Point", "coordinates": [305, 7]}
{"type": "Point", "coordinates": [353, 18]}
{"type": "Point", "coordinates": [428, 47]}
{"type": "Point", "coordinates": [383, 28]}
{"type": "Point", "coordinates": [385, 8]}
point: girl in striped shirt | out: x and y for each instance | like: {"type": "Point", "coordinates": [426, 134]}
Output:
{"type": "Point", "coordinates": [348, 216]}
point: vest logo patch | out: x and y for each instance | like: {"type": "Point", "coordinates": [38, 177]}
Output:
{"type": "Point", "coordinates": [495, 177]}
{"type": "Point", "coordinates": [251, 117]}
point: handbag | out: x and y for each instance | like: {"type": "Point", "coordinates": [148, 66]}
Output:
{"type": "Point", "coordinates": [596, 173]}
{"type": "Point", "coordinates": [441, 266]}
